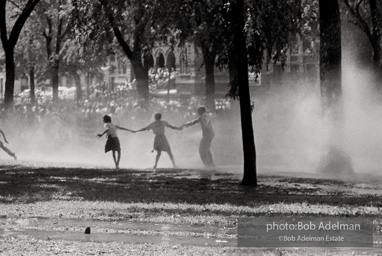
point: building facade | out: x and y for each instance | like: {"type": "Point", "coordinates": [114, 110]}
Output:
{"type": "Point", "coordinates": [186, 63]}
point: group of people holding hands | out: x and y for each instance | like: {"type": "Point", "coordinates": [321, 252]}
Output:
{"type": "Point", "coordinates": [160, 141]}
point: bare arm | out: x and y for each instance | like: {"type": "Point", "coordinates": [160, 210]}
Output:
{"type": "Point", "coordinates": [173, 127]}
{"type": "Point", "coordinates": [124, 129]}
{"type": "Point", "coordinates": [144, 129]}
{"type": "Point", "coordinates": [101, 134]}
{"type": "Point", "coordinates": [193, 122]}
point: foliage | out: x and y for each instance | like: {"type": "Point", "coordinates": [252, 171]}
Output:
{"type": "Point", "coordinates": [309, 27]}
{"type": "Point", "coordinates": [270, 27]}
{"type": "Point", "coordinates": [76, 52]}
{"type": "Point", "coordinates": [359, 12]}
{"type": "Point", "coordinates": [30, 50]}
{"type": "Point", "coordinates": [138, 21]}
{"type": "Point", "coordinates": [137, 27]}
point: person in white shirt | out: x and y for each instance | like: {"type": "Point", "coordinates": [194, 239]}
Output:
{"type": "Point", "coordinates": [160, 141]}
{"type": "Point", "coordinates": [208, 135]}
{"type": "Point", "coordinates": [3, 147]}
{"type": "Point", "coordinates": [112, 143]}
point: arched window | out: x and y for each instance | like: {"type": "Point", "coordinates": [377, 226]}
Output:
{"type": "Point", "coordinates": [171, 61]}
{"type": "Point", "coordinates": [160, 60]}
{"type": "Point", "coordinates": [148, 61]}
{"type": "Point", "coordinates": [183, 61]}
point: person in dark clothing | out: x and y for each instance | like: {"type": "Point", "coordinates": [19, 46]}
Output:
{"type": "Point", "coordinates": [112, 143]}
{"type": "Point", "coordinates": [160, 141]}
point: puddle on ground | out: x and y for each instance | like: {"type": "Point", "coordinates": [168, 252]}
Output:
{"type": "Point", "coordinates": [127, 238]}
{"type": "Point", "coordinates": [119, 231]}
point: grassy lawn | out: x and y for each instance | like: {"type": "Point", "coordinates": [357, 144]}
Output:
{"type": "Point", "coordinates": [44, 210]}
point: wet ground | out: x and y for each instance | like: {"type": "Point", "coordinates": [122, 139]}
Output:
{"type": "Point", "coordinates": [44, 209]}
{"type": "Point", "coordinates": [119, 231]}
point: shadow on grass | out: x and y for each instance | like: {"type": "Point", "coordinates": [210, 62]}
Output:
{"type": "Point", "coordinates": [26, 185]}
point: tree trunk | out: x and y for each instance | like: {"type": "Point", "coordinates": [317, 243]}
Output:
{"type": "Point", "coordinates": [32, 84]}
{"type": "Point", "coordinates": [77, 82]}
{"type": "Point", "coordinates": [142, 78]}
{"type": "Point", "coordinates": [88, 85]}
{"type": "Point", "coordinates": [140, 72]}
{"type": "Point", "coordinates": [377, 57]}
{"type": "Point", "coordinates": [330, 57]}
{"type": "Point", "coordinates": [55, 80]}
{"type": "Point", "coordinates": [239, 63]}
{"type": "Point", "coordinates": [9, 79]}
{"type": "Point", "coordinates": [336, 161]}
{"type": "Point", "coordinates": [169, 84]}
{"type": "Point", "coordinates": [377, 64]}
{"type": "Point", "coordinates": [209, 64]}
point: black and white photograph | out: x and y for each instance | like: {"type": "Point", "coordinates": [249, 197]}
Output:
{"type": "Point", "coordinates": [191, 127]}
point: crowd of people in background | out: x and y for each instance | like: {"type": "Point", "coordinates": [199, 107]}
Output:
{"type": "Point", "coordinates": [83, 117]}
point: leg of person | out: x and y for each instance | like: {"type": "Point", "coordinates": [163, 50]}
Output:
{"type": "Point", "coordinates": [115, 159]}
{"type": "Point", "coordinates": [208, 154]}
{"type": "Point", "coordinates": [119, 158]}
{"type": "Point", "coordinates": [205, 153]}
{"type": "Point", "coordinates": [202, 150]}
{"type": "Point", "coordinates": [172, 158]}
{"type": "Point", "coordinates": [9, 152]}
{"type": "Point", "coordinates": [157, 158]}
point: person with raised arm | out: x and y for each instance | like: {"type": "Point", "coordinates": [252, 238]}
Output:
{"type": "Point", "coordinates": [208, 135]}
{"type": "Point", "coordinates": [160, 140]}
{"type": "Point", "coordinates": [112, 143]}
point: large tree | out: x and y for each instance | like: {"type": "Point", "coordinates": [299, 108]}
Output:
{"type": "Point", "coordinates": [256, 27]}
{"type": "Point", "coordinates": [238, 66]}
{"type": "Point", "coordinates": [207, 35]}
{"type": "Point", "coordinates": [44, 35]}
{"type": "Point", "coordinates": [55, 26]}
{"type": "Point", "coordinates": [336, 161]}
{"type": "Point", "coordinates": [49, 34]}
{"type": "Point", "coordinates": [137, 26]}
{"type": "Point", "coordinates": [9, 38]}
{"type": "Point", "coordinates": [28, 53]}
{"type": "Point", "coordinates": [81, 55]}
{"type": "Point", "coordinates": [199, 23]}
{"type": "Point", "coordinates": [239, 32]}
{"type": "Point", "coordinates": [330, 56]}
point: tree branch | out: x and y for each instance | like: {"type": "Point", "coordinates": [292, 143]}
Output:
{"type": "Point", "coordinates": [14, 36]}
{"type": "Point", "coordinates": [67, 29]}
{"type": "Point", "coordinates": [3, 24]}
{"type": "Point", "coordinates": [361, 22]}
{"type": "Point", "coordinates": [116, 30]}
{"type": "Point", "coordinates": [15, 4]}
{"type": "Point", "coordinates": [50, 26]}
{"type": "Point", "coordinates": [358, 5]}
{"type": "Point", "coordinates": [48, 37]}
{"type": "Point", "coordinates": [58, 36]}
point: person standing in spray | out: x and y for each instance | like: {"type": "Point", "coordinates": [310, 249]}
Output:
{"type": "Point", "coordinates": [160, 141]}
{"type": "Point", "coordinates": [3, 147]}
{"type": "Point", "coordinates": [112, 143]}
{"type": "Point", "coordinates": [208, 135]}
